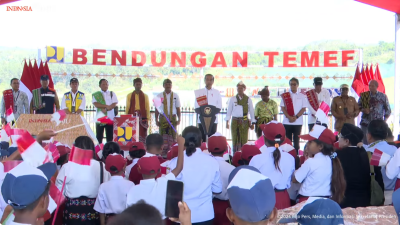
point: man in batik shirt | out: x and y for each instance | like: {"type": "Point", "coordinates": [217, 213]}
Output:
{"type": "Point", "coordinates": [266, 110]}
{"type": "Point", "coordinates": [374, 105]}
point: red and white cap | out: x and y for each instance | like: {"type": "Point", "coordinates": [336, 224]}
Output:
{"type": "Point", "coordinates": [249, 150]}
{"type": "Point", "coordinates": [273, 129]}
{"type": "Point", "coordinates": [217, 143]}
{"type": "Point", "coordinates": [320, 133]}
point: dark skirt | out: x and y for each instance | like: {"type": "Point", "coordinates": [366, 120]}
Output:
{"type": "Point", "coordinates": [80, 211]}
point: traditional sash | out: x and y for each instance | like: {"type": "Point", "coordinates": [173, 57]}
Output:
{"type": "Point", "coordinates": [287, 99]}
{"type": "Point", "coordinates": [165, 103]}
{"type": "Point", "coordinates": [365, 98]}
{"type": "Point", "coordinates": [313, 99]}
{"type": "Point", "coordinates": [142, 105]}
{"type": "Point", "coordinates": [37, 98]}
{"type": "Point", "coordinates": [98, 96]}
{"type": "Point", "coordinates": [244, 103]}
{"type": "Point", "coordinates": [8, 99]}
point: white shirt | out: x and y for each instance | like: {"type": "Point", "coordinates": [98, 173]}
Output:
{"type": "Point", "coordinates": [236, 110]}
{"type": "Point", "coordinates": [225, 169]}
{"type": "Point", "coordinates": [213, 98]}
{"type": "Point", "coordinates": [176, 102]}
{"type": "Point", "coordinates": [112, 195]}
{"type": "Point", "coordinates": [73, 100]}
{"type": "Point", "coordinates": [393, 166]}
{"type": "Point", "coordinates": [299, 102]}
{"type": "Point", "coordinates": [264, 162]}
{"type": "Point", "coordinates": [109, 101]}
{"type": "Point", "coordinates": [201, 178]}
{"type": "Point", "coordinates": [81, 180]}
{"type": "Point", "coordinates": [153, 192]}
{"type": "Point", "coordinates": [129, 168]}
{"type": "Point", "coordinates": [323, 96]}
{"type": "Point", "coordinates": [315, 175]}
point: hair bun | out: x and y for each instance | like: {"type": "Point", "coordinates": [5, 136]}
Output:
{"type": "Point", "coordinates": [191, 144]}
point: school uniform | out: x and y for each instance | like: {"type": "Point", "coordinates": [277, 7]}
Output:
{"type": "Point", "coordinates": [81, 189]}
{"type": "Point", "coordinates": [315, 175]}
{"type": "Point", "coordinates": [201, 177]}
{"type": "Point", "coordinates": [393, 169]}
{"type": "Point", "coordinates": [111, 199]}
{"type": "Point", "coordinates": [152, 191]}
{"type": "Point", "coordinates": [281, 180]}
{"type": "Point", "coordinates": [221, 201]}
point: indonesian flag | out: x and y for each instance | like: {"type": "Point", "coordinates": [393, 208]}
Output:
{"type": "Point", "coordinates": [5, 133]}
{"type": "Point", "coordinates": [10, 115]}
{"type": "Point", "coordinates": [58, 116]}
{"type": "Point", "coordinates": [102, 118]}
{"type": "Point", "coordinates": [289, 149]}
{"type": "Point", "coordinates": [99, 150]}
{"type": "Point", "coordinates": [357, 87]}
{"type": "Point", "coordinates": [322, 113]}
{"type": "Point", "coordinates": [9, 165]}
{"type": "Point", "coordinates": [158, 104]}
{"type": "Point", "coordinates": [260, 142]}
{"type": "Point", "coordinates": [378, 76]}
{"type": "Point", "coordinates": [80, 156]}
{"type": "Point", "coordinates": [27, 82]}
{"type": "Point", "coordinates": [55, 199]}
{"type": "Point", "coordinates": [379, 158]}
{"type": "Point", "coordinates": [31, 151]}
{"type": "Point", "coordinates": [52, 153]}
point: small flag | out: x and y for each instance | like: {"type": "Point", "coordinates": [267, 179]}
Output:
{"type": "Point", "coordinates": [99, 150]}
{"type": "Point", "coordinates": [105, 120]}
{"type": "Point", "coordinates": [322, 113]}
{"type": "Point", "coordinates": [52, 152]}
{"type": "Point", "coordinates": [80, 156]}
{"type": "Point", "coordinates": [31, 151]}
{"type": "Point", "coordinates": [58, 116]}
{"type": "Point", "coordinates": [9, 165]}
{"type": "Point", "coordinates": [10, 115]}
{"type": "Point", "coordinates": [289, 149]}
{"type": "Point", "coordinates": [379, 158]}
{"type": "Point", "coordinates": [158, 104]}
{"type": "Point", "coordinates": [260, 142]}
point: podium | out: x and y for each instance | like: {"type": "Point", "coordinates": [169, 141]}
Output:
{"type": "Point", "coordinates": [126, 131]}
{"type": "Point", "coordinates": [207, 116]}
{"type": "Point", "coordinates": [35, 123]}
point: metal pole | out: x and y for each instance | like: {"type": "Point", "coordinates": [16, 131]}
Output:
{"type": "Point", "coordinates": [396, 76]}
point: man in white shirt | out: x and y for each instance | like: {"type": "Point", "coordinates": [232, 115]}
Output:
{"type": "Point", "coordinates": [240, 108]}
{"type": "Point", "coordinates": [293, 106]}
{"type": "Point", "coordinates": [105, 101]}
{"type": "Point", "coordinates": [172, 109]}
{"type": "Point", "coordinates": [213, 98]}
{"type": "Point", "coordinates": [74, 101]}
{"type": "Point", "coordinates": [314, 98]}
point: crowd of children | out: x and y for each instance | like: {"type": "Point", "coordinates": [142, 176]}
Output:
{"type": "Point", "coordinates": [333, 172]}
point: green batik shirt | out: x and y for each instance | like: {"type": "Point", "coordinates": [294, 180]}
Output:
{"type": "Point", "coordinates": [266, 110]}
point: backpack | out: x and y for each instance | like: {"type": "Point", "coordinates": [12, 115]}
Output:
{"type": "Point", "coordinates": [116, 107]}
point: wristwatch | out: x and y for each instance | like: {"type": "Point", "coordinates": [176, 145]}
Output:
{"type": "Point", "coordinates": [297, 116]}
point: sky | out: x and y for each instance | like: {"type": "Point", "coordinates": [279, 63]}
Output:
{"type": "Point", "coordinates": [133, 24]}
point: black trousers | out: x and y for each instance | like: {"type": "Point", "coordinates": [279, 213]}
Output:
{"type": "Point", "coordinates": [293, 132]}
{"type": "Point", "coordinates": [203, 133]}
{"type": "Point", "coordinates": [100, 132]}
{"type": "Point", "coordinates": [310, 126]}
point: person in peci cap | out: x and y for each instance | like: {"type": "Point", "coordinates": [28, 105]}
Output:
{"type": "Point", "coordinates": [344, 108]}
{"type": "Point", "coordinates": [265, 111]}
{"type": "Point", "coordinates": [201, 177]}
{"type": "Point", "coordinates": [172, 109]}
{"type": "Point", "coordinates": [74, 101]}
{"type": "Point", "coordinates": [274, 163]}
{"type": "Point", "coordinates": [45, 98]}
{"type": "Point", "coordinates": [138, 102]}
{"type": "Point", "coordinates": [356, 168]}
{"type": "Point", "coordinates": [322, 175]}
{"type": "Point", "coordinates": [248, 152]}
{"type": "Point", "coordinates": [251, 196]}
{"type": "Point", "coordinates": [152, 190]}
{"type": "Point", "coordinates": [136, 152]}
{"type": "Point", "coordinates": [217, 145]}
{"type": "Point", "coordinates": [26, 190]}
{"type": "Point", "coordinates": [105, 102]}
{"type": "Point", "coordinates": [314, 98]}
{"type": "Point", "coordinates": [15, 99]}
{"type": "Point", "coordinates": [240, 108]}
{"type": "Point", "coordinates": [111, 199]}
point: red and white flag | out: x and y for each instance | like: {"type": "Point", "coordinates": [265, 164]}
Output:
{"type": "Point", "coordinates": [80, 156]}
{"type": "Point", "coordinates": [322, 113]}
{"type": "Point", "coordinates": [31, 151]}
{"type": "Point", "coordinates": [9, 165]}
{"type": "Point", "coordinates": [379, 158]}
{"type": "Point", "coordinates": [10, 115]}
{"type": "Point", "coordinates": [58, 116]}
{"type": "Point", "coordinates": [99, 150]}
{"type": "Point", "coordinates": [260, 142]}
{"type": "Point", "coordinates": [289, 149]}
{"type": "Point", "coordinates": [102, 118]}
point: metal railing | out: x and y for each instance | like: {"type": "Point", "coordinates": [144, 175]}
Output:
{"type": "Point", "coordinates": [189, 118]}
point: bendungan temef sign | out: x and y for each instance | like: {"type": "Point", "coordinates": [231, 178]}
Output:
{"type": "Point", "coordinates": [339, 58]}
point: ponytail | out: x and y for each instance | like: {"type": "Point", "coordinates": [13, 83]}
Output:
{"type": "Point", "coordinates": [193, 138]}
{"type": "Point", "coordinates": [277, 153]}
{"type": "Point", "coordinates": [338, 182]}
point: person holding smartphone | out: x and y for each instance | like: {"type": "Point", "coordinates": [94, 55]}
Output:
{"type": "Point", "coordinates": [150, 189]}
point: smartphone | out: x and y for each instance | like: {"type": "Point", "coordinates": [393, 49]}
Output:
{"type": "Point", "coordinates": [174, 196]}
{"type": "Point", "coordinates": [345, 110]}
